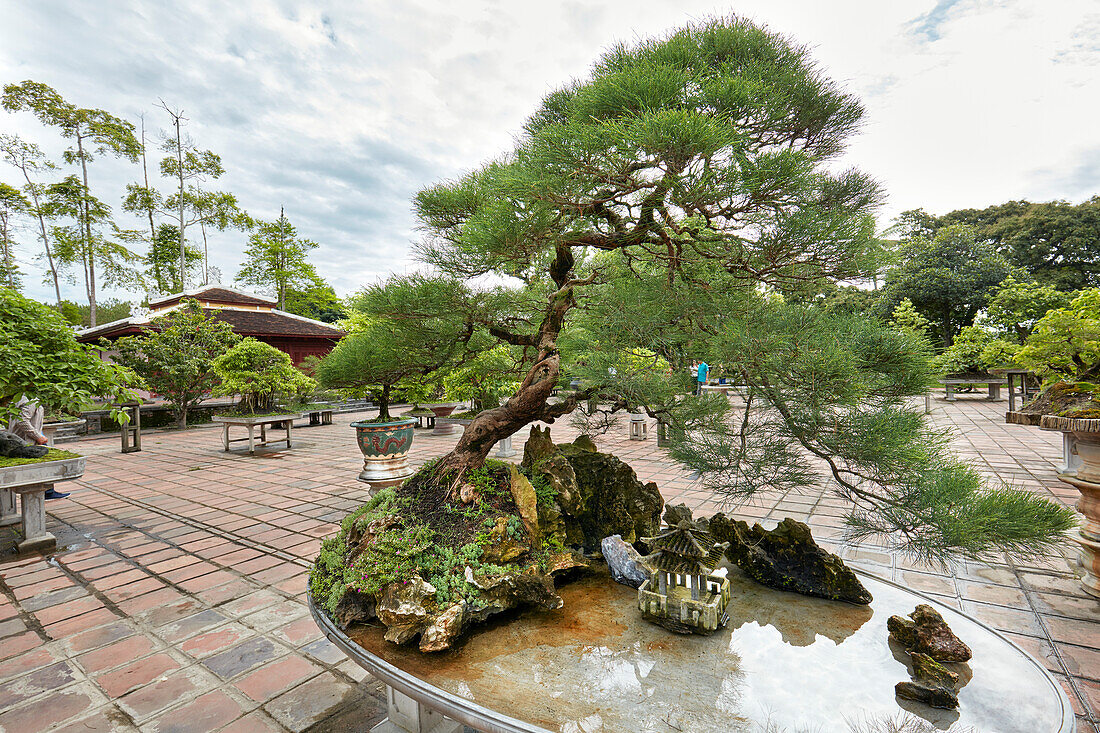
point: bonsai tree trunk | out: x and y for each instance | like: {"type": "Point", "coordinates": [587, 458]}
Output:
{"type": "Point", "coordinates": [384, 402]}
{"type": "Point", "coordinates": [529, 403]}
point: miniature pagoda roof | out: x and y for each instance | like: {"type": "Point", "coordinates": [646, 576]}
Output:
{"type": "Point", "coordinates": [685, 549]}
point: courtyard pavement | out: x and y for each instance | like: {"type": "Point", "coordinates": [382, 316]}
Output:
{"type": "Point", "coordinates": [175, 600]}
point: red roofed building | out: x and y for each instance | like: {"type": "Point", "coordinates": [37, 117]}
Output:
{"type": "Point", "coordinates": [249, 315]}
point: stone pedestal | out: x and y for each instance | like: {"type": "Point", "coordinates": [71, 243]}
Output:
{"type": "Point", "coordinates": [1085, 444]}
{"type": "Point", "coordinates": [405, 715]}
{"type": "Point", "coordinates": [639, 427]}
{"type": "Point", "coordinates": [504, 448]}
{"type": "Point", "coordinates": [442, 410]}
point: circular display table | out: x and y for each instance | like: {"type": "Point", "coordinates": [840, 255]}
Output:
{"type": "Point", "coordinates": [785, 660]}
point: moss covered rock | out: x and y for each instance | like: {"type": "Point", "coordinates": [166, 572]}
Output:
{"type": "Point", "coordinates": [429, 568]}
{"type": "Point", "coordinates": [787, 558]}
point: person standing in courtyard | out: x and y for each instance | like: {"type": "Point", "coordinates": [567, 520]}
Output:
{"type": "Point", "coordinates": [701, 376]}
{"type": "Point", "coordinates": [28, 426]}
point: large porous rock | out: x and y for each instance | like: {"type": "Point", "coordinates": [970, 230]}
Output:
{"type": "Point", "coordinates": [444, 629]}
{"type": "Point", "coordinates": [627, 566]}
{"type": "Point", "coordinates": [935, 696]}
{"type": "Point", "coordinates": [787, 558]}
{"type": "Point", "coordinates": [407, 608]}
{"type": "Point", "coordinates": [12, 446]}
{"type": "Point", "coordinates": [596, 494]}
{"type": "Point", "coordinates": [926, 632]}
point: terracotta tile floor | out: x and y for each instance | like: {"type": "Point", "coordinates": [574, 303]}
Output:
{"type": "Point", "coordinates": [175, 601]}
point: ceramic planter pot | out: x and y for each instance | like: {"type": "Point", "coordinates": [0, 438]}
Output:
{"type": "Point", "coordinates": [442, 410]}
{"type": "Point", "coordinates": [1086, 479]}
{"type": "Point", "coordinates": [385, 447]}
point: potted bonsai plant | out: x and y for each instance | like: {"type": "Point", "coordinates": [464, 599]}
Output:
{"type": "Point", "coordinates": [259, 374]}
{"type": "Point", "coordinates": [975, 357]}
{"type": "Point", "coordinates": [1064, 351]}
{"type": "Point", "coordinates": [44, 362]}
{"type": "Point", "coordinates": [377, 355]}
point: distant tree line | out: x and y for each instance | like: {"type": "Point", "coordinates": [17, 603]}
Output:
{"type": "Point", "coordinates": [59, 204]}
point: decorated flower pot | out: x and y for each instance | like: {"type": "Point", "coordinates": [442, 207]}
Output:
{"type": "Point", "coordinates": [1086, 435]}
{"type": "Point", "coordinates": [441, 410]}
{"type": "Point", "coordinates": [385, 447]}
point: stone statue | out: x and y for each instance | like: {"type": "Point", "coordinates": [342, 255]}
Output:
{"type": "Point", "coordinates": [12, 446]}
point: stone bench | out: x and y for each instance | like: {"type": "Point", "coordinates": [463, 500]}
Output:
{"type": "Point", "coordinates": [250, 423]}
{"type": "Point", "coordinates": [994, 385]}
{"type": "Point", "coordinates": [30, 482]}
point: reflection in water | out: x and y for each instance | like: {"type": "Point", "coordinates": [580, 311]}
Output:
{"type": "Point", "coordinates": [804, 664]}
{"type": "Point", "coordinates": [799, 619]}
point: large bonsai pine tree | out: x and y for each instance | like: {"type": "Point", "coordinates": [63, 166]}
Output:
{"type": "Point", "coordinates": [703, 167]}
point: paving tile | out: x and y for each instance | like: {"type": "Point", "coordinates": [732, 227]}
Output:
{"type": "Point", "coordinates": [264, 683]}
{"type": "Point", "coordinates": [1073, 631]}
{"type": "Point", "coordinates": [165, 692]}
{"type": "Point", "coordinates": [24, 663]}
{"type": "Point", "coordinates": [311, 701]}
{"type": "Point", "coordinates": [257, 722]}
{"type": "Point", "coordinates": [120, 681]}
{"type": "Point", "coordinates": [34, 684]}
{"type": "Point", "coordinates": [107, 719]}
{"type": "Point", "coordinates": [47, 711]}
{"type": "Point", "coordinates": [243, 657]}
{"type": "Point", "coordinates": [216, 640]}
{"type": "Point", "coordinates": [99, 636]}
{"type": "Point", "coordinates": [18, 644]}
{"type": "Point", "coordinates": [116, 654]}
{"type": "Point", "coordinates": [209, 712]}
{"type": "Point", "coordinates": [188, 626]}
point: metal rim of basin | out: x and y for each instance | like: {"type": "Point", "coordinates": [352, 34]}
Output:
{"type": "Point", "coordinates": [488, 720]}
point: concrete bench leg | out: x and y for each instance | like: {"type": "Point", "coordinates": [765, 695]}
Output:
{"type": "Point", "coordinates": [35, 536]}
{"type": "Point", "coordinates": [950, 393]}
{"type": "Point", "coordinates": [252, 439]}
{"type": "Point", "coordinates": [994, 392]}
{"type": "Point", "coordinates": [225, 436]}
{"type": "Point", "coordinates": [288, 423]}
{"type": "Point", "coordinates": [9, 513]}
{"type": "Point", "coordinates": [927, 403]}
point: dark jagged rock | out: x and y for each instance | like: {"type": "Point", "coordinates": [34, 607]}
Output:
{"type": "Point", "coordinates": [928, 670]}
{"type": "Point", "coordinates": [787, 558]}
{"type": "Point", "coordinates": [12, 446]}
{"type": "Point", "coordinates": [596, 494]}
{"type": "Point", "coordinates": [627, 566]}
{"type": "Point", "coordinates": [925, 632]}
{"type": "Point", "coordinates": [931, 695]}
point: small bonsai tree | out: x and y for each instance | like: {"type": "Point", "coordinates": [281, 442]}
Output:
{"type": "Point", "coordinates": [259, 373]}
{"type": "Point", "coordinates": [382, 349]}
{"type": "Point", "coordinates": [1065, 344]}
{"type": "Point", "coordinates": [42, 359]}
{"type": "Point", "coordinates": [974, 352]}
{"type": "Point", "coordinates": [175, 356]}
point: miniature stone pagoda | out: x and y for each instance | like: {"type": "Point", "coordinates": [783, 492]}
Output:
{"type": "Point", "coordinates": [686, 593]}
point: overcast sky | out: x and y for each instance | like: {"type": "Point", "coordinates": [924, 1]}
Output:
{"type": "Point", "coordinates": [341, 111]}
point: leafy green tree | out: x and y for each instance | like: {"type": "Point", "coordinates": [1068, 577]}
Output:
{"type": "Point", "coordinates": [948, 279]}
{"type": "Point", "coordinates": [705, 161]}
{"type": "Point", "coordinates": [908, 318]}
{"type": "Point", "coordinates": [1065, 344]}
{"type": "Point", "coordinates": [974, 352]}
{"type": "Point", "coordinates": [93, 132]}
{"type": "Point", "coordinates": [43, 360]}
{"type": "Point", "coordinates": [162, 261]}
{"type": "Point", "coordinates": [1016, 306]}
{"type": "Point", "coordinates": [316, 300]}
{"type": "Point", "coordinates": [95, 255]}
{"type": "Point", "coordinates": [12, 205]}
{"type": "Point", "coordinates": [259, 373]}
{"type": "Point", "coordinates": [31, 162]}
{"type": "Point", "coordinates": [112, 309]}
{"type": "Point", "coordinates": [175, 356]}
{"type": "Point", "coordinates": [276, 258]}
{"type": "Point", "coordinates": [1057, 242]}
{"type": "Point", "coordinates": [400, 330]}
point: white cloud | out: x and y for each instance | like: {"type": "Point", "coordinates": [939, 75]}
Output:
{"type": "Point", "coordinates": [342, 110]}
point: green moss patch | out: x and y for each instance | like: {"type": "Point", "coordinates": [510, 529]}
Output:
{"type": "Point", "coordinates": [53, 455]}
{"type": "Point", "coordinates": [416, 529]}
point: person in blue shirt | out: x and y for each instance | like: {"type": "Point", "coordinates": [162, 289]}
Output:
{"type": "Point", "coordinates": [701, 376]}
